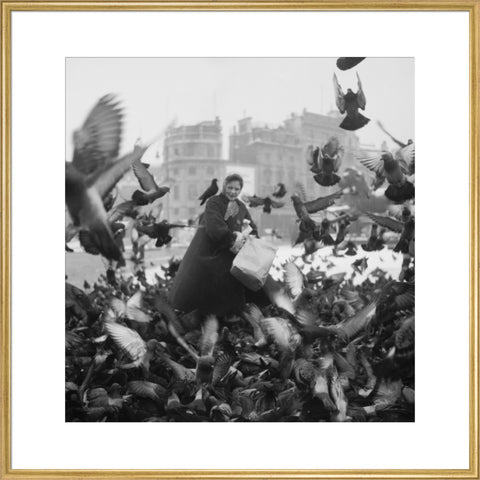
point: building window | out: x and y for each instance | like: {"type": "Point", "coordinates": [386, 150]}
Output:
{"type": "Point", "coordinates": [267, 177]}
{"type": "Point", "coordinates": [176, 212]}
{"type": "Point", "coordinates": [192, 191]}
{"type": "Point", "coordinates": [175, 172]}
{"type": "Point", "coordinates": [267, 156]}
{"type": "Point", "coordinates": [175, 151]}
{"type": "Point", "coordinates": [192, 212]}
{"type": "Point", "coordinates": [291, 175]}
{"type": "Point", "coordinates": [175, 192]}
{"type": "Point", "coordinates": [192, 170]}
{"type": "Point", "coordinates": [210, 170]}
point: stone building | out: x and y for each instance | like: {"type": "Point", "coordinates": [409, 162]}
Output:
{"type": "Point", "coordinates": [192, 157]}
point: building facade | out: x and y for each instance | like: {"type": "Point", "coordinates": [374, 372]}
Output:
{"type": "Point", "coordinates": [192, 157]}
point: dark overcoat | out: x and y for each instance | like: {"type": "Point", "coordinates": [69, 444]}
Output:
{"type": "Point", "coordinates": [203, 281]}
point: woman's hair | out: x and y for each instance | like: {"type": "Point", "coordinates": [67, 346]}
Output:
{"type": "Point", "coordinates": [234, 177]}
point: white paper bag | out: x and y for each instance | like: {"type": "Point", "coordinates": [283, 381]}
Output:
{"type": "Point", "coordinates": [253, 262]}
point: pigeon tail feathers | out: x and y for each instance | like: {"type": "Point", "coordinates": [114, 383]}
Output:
{"type": "Point", "coordinates": [354, 123]}
{"type": "Point", "coordinates": [400, 194]}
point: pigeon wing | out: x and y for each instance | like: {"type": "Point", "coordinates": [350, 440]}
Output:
{"type": "Point", "coordinates": [134, 309]}
{"type": "Point", "coordinates": [120, 211]}
{"type": "Point", "coordinates": [253, 201]}
{"type": "Point", "coordinates": [384, 130]}
{"type": "Point", "coordinates": [322, 202]}
{"type": "Point", "coordinates": [99, 138]}
{"type": "Point", "coordinates": [361, 99]}
{"type": "Point", "coordinates": [373, 163]}
{"type": "Point", "coordinates": [278, 331]}
{"type": "Point", "coordinates": [144, 177]}
{"type": "Point", "coordinates": [145, 389]}
{"type": "Point", "coordinates": [386, 222]}
{"type": "Point", "coordinates": [109, 176]}
{"type": "Point", "coordinates": [118, 306]}
{"type": "Point", "coordinates": [407, 153]}
{"type": "Point", "coordinates": [127, 340]}
{"type": "Point", "coordinates": [293, 279]}
{"type": "Point", "coordinates": [309, 155]}
{"type": "Point", "coordinates": [209, 335]}
{"type": "Point", "coordinates": [149, 230]}
{"type": "Point", "coordinates": [339, 96]}
{"type": "Point", "coordinates": [87, 242]}
{"type": "Point", "coordinates": [222, 365]}
{"type": "Point", "coordinates": [358, 322]}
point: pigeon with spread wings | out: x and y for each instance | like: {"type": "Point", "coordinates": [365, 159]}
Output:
{"type": "Point", "coordinates": [148, 184]}
{"type": "Point", "coordinates": [350, 102]}
{"type": "Point", "coordinates": [394, 170]}
{"type": "Point", "coordinates": [266, 202]}
{"type": "Point", "coordinates": [325, 162]}
{"type": "Point", "coordinates": [94, 172]}
{"type": "Point", "coordinates": [406, 152]}
{"type": "Point", "coordinates": [159, 231]}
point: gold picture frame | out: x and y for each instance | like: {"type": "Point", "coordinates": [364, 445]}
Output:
{"type": "Point", "coordinates": [470, 6]}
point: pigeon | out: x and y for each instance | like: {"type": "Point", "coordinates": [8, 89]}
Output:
{"type": "Point", "coordinates": [279, 190]}
{"type": "Point", "coordinates": [406, 152]}
{"type": "Point", "coordinates": [394, 170]}
{"type": "Point", "coordinates": [342, 230]}
{"type": "Point", "coordinates": [131, 343]}
{"type": "Point", "coordinates": [325, 162]}
{"type": "Point", "coordinates": [375, 240]}
{"type": "Point", "coordinates": [285, 338]}
{"type": "Point", "coordinates": [350, 102]}
{"type": "Point", "coordinates": [302, 212]}
{"type": "Point", "coordinates": [351, 249]}
{"type": "Point", "coordinates": [267, 203]}
{"type": "Point", "coordinates": [148, 184]}
{"type": "Point", "coordinates": [94, 172]}
{"type": "Point", "coordinates": [325, 236]}
{"type": "Point", "coordinates": [209, 192]}
{"type": "Point", "coordinates": [360, 265]}
{"type": "Point", "coordinates": [345, 63]}
{"type": "Point", "coordinates": [131, 309]}
{"type": "Point", "coordinates": [159, 231]}
{"type": "Point", "coordinates": [87, 240]}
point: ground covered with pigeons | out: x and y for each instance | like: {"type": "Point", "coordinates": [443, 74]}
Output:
{"type": "Point", "coordinates": [327, 348]}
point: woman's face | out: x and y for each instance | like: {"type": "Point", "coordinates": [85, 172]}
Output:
{"type": "Point", "coordinates": [232, 189]}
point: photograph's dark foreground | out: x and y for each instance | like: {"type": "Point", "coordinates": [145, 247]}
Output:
{"type": "Point", "coordinates": [262, 366]}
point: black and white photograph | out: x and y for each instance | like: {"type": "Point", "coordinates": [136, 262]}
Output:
{"type": "Point", "coordinates": [240, 239]}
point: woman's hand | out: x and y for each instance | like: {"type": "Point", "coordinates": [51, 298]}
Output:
{"type": "Point", "coordinates": [238, 243]}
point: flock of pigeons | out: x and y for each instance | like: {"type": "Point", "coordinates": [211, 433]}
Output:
{"type": "Point", "coordinates": [324, 349]}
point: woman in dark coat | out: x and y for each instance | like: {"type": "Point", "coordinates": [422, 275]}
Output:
{"type": "Point", "coordinates": [203, 281]}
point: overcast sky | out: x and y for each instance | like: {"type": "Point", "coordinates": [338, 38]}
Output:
{"type": "Point", "coordinates": [156, 91]}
